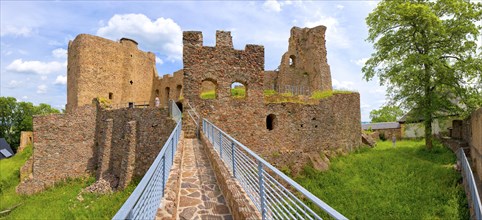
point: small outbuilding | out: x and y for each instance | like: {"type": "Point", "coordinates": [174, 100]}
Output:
{"type": "Point", "coordinates": [5, 149]}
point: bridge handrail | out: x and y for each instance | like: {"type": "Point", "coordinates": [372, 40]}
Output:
{"type": "Point", "coordinates": [146, 197]}
{"type": "Point", "coordinates": [469, 178]}
{"type": "Point", "coordinates": [264, 197]}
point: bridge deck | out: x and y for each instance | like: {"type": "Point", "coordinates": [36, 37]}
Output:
{"type": "Point", "coordinates": [199, 194]}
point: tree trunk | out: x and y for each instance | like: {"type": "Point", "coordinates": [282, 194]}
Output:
{"type": "Point", "coordinates": [428, 132]}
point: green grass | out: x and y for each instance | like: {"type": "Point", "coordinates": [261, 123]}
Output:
{"type": "Point", "coordinates": [208, 95]}
{"type": "Point", "coordinates": [238, 92]}
{"type": "Point", "coordinates": [58, 202]}
{"type": "Point", "coordinates": [325, 94]}
{"type": "Point", "coordinates": [269, 92]}
{"type": "Point", "coordinates": [405, 182]}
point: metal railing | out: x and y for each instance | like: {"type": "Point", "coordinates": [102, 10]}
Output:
{"type": "Point", "coordinates": [195, 117]}
{"type": "Point", "coordinates": [261, 181]}
{"type": "Point", "coordinates": [146, 198]}
{"type": "Point", "coordinates": [470, 181]}
{"type": "Point", "coordinates": [295, 90]}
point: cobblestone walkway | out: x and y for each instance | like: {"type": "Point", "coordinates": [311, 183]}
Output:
{"type": "Point", "coordinates": [199, 196]}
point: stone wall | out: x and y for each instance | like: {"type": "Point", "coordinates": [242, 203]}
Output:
{"type": "Point", "coordinates": [301, 133]}
{"type": "Point", "coordinates": [168, 87]}
{"type": "Point", "coordinates": [117, 145]}
{"type": "Point", "coordinates": [116, 71]}
{"type": "Point", "coordinates": [26, 138]}
{"type": "Point", "coordinates": [129, 141]}
{"type": "Point", "coordinates": [64, 148]}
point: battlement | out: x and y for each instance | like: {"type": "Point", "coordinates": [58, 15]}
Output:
{"type": "Point", "coordinates": [192, 38]}
{"type": "Point", "coordinates": [224, 39]}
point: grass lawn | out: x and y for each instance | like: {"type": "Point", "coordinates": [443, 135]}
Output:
{"type": "Point", "coordinates": [405, 182]}
{"type": "Point", "coordinates": [63, 201]}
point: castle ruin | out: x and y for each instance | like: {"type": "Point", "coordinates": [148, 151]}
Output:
{"type": "Point", "coordinates": [121, 143]}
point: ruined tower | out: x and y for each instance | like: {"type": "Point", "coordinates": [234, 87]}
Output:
{"type": "Point", "coordinates": [305, 63]}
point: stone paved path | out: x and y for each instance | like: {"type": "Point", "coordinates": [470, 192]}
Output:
{"type": "Point", "coordinates": [199, 196]}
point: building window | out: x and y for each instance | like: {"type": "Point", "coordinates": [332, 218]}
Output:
{"type": "Point", "coordinates": [167, 96]}
{"type": "Point", "coordinates": [270, 121]}
{"type": "Point", "coordinates": [178, 92]}
{"type": "Point", "coordinates": [238, 90]}
{"type": "Point", "coordinates": [208, 89]}
{"type": "Point", "coordinates": [292, 60]}
{"type": "Point", "coordinates": [157, 92]}
{"type": "Point", "coordinates": [111, 95]}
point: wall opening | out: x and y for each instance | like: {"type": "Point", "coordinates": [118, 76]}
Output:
{"type": "Point", "coordinates": [166, 99]}
{"type": "Point", "coordinates": [208, 89]}
{"type": "Point", "coordinates": [131, 82]}
{"type": "Point", "coordinates": [178, 92]}
{"type": "Point", "coordinates": [111, 95]}
{"type": "Point", "coordinates": [157, 92]}
{"type": "Point", "coordinates": [292, 60]}
{"type": "Point", "coordinates": [238, 90]}
{"type": "Point", "coordinates": [179, 105]}
{"type": "Point", "coordinates": [270, 121]}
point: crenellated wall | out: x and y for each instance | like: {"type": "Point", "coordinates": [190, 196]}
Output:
{"type": "Point", "coordinates": [301, 132]}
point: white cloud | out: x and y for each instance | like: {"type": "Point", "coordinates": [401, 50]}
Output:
{"type": "Point", "coordinates": [340, 7]}
{"type": "Point", "coordinates": [335, 33]}
{"type": "Point", "coordinates": [37, 67]}
{"type": "Point", "coordinates": [61, 80]}
{"type": "Point", "coordinates": [272, 5]}
{"type": "Point", "coordinates": [15, 31]}
{"type": "Point", "coordinates": [42, 89]}
{"type": "Point", "coordinates": [43, 77]}
{"type": "Point", "coordinates": [14, 84]}
{"type": "Point", "coordinates": [360, 62]}
{"type": "Point", "coordinates": [162, 35]}
{"type": "Point", "coordinates": [60, 53]}
{"type": "Point", "coordinates": [159, 61]}
{"type": "Point", "coordinates": [343, 84]}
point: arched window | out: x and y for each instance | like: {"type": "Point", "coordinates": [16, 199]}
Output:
{"type": "Point", "coordinates": [238, 90]}
{"type": "Point", "coordinates": [157, 92]}
{"type": "Point", "coordinates": [208, 89]}
{"type": "Point", "coordinates": [270, 121]}
{"type": "Point", "coordinates": [178, 92]}
{"type": "Point", "coordinates": [292, 60]}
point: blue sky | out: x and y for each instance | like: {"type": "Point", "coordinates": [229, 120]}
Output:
{"type": "Point", "coordinates": [35, 35]}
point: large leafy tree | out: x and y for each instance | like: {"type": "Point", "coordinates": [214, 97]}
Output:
{"type": "Point", "coordinates": [426, 54]}
{"type": "Point", "coordinates": [386, 114]}
{"type": "Point", "coordinates": [16, 117]}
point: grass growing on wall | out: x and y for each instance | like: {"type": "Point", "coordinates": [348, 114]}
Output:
{"type": "Point", "coordinates": [208, 95]}
{"type": "Point", "coordinates": [405, 182]}
{"type": "Point", "coordinates": [63, 201]}
{"type": "Point", "coordinates": [238, 92]}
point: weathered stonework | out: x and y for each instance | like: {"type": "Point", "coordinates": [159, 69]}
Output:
{"type": "Point", "coordinates": [26, 138]}
{"type": "Point", "coordinates": [330, 127]}
{"type": "Point", "coordinates": [119, 144]}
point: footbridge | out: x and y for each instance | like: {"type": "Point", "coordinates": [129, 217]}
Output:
{"type": "Point", "coordinates": [214, 176]}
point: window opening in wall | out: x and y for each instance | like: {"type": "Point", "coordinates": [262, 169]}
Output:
{"type": "Point", "coordinates": [208, 89]}
{"type": "Point", "coordinates": [167, 96]}
{"type": "Point", "coordinates": [179, 105]}
{"type": "Point", "coordinates": [238, 90]}
{"type": "Point", "coordinates": [292, 60]}
{"type": "Point", "coordinates": [270, 121]}
{"type": "Point", "coordinates": [111, 95]}
{"type": "Point", "coordinates": [131, 82]}
{"type": "Point", "coordinates": [178, 92]}
{"type": "Point", "coordinates": [157, 92]}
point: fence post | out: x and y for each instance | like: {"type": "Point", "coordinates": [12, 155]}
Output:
{"type": "Point", "coordinates": [261, 190]}
{"type": "Point", "coordinates": [220, 146]}
{"type": "Point", "coordinates": [233, 159]}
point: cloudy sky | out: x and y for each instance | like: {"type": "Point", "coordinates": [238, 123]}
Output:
{"type": "Point", "coordinates": [35, 35]}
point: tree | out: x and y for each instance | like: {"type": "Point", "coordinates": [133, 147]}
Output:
{"type": "Point", "coordinates": [16, 117]}
{"type": "Point", "coordinates": [426, 55]}
{"type": "Point", "coordinates": [386, 114]}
